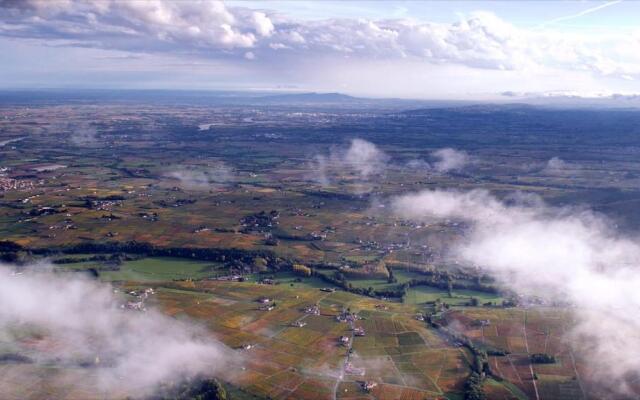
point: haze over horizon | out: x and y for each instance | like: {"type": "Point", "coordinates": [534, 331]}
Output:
{"type": "Point", "coordinates": [433, 50]}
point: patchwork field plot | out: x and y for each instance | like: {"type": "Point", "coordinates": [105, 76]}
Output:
{"type": "Point", "coordinates": [247, 191]}
{"type": "Point", "coordinates": [296, 341]}
{"type": "Point", "coordinates": [402, 355]}
{"type": "Point", "coordinates": [521, 333]}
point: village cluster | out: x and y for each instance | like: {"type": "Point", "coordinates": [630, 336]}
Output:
{"type": "Point", "coordinates": [7, 183]}
{"type": "Point", "coordinates": [141, 297]}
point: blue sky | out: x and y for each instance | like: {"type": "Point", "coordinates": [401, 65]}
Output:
{"type": "Point", "coordinates": [522, 13]}
{"type": "Point", "coordinates": [413, 49]}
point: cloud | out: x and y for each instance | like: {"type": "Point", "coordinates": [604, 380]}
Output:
{"type": "Point", "coordinates": [262, 24]}
{"type": "Point", "coordinates": [203, 178]}
{"type": "Point", "coordinates": [63, 320]}
{"type": "Point", "coordinates": [320, 169]}
{"type": "Point", "coordinates": [362, 158]}
{"type": "Point", "coordinates": [211, 29]}
{"type": "Point", "coordinates": [555, 165]}
{"type": "Point", "coordinates": [450, 159]}
{"type": "Point", "coordinates": [146, 25]}
{"type": "Point", "coordinates": [77, 132]}
{"type": "Point", "coordinates": [567, 254]}
{"type": "Point", "coordinates": [366, 161]}
{"type": "Point", "coordinates": [418, 165]}
{"type": "Point", "coordinates": [365, 158]}
{"type": "Point", "coordinates": [82, 135]}
{"type": "Point", "coordinates": [558, 167]}
{"type": "Point", "coordinates": [443, 160]}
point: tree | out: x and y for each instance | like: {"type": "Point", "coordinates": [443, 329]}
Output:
{"type": "Point", "coordinates": [542, 358]}
{"type": "Point", "coordinates": [473, 388]}
{"type": "Point", "coordinates": [9, 246]}
{"type": "Point", "coordinates": [391, 278]}
{"type": "Point", "coordinates": [260, 264]}
{"type": "Point", "coordinates": [195, 389]}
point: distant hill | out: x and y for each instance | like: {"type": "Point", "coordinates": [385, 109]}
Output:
{"type": "Point", "coordinates": [517, 119]}
{"type": "Point", "coordinates": [508, 102]}
{"type": "Point", "coordinates": [488, 108]}
{"type": "Point", "coordinates": [331, 100]}
{"type": "Point", "coordinates": [311, 98]}
{"type": "Point", "coordinates": [203, 97]}
{"type": "Point", "coordinates": [342, 100]}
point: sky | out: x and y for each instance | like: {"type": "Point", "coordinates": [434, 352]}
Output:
{"type": "Point", "coordinates": [407, 49]}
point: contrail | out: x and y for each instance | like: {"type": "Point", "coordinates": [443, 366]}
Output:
{"type": "Point", "coordinates": [581, 13]}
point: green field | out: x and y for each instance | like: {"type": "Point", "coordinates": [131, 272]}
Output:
{"type": "Point", "coordinates": [428, 294]}
{"type": "Point", "coordinates": [292, 280]}
{"type": "Point", "coordinates": [382, 284]}
{"type": "Point", "coordinates": [159, 269]}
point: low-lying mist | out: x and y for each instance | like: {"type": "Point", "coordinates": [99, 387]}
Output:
{"type": "Point", "coordinates": [361, 158]}
{"type": "Point", "coordinates": [367, 162]}
{"type": "Point", "coordinates": [83, 135]}
{"type": "Point", "coordinates": [66, 321]}
{"type": "Point", "coordinates": [208, 177]}
{"type": "Point", "coordinates": [449, 159]}
{"type": "Point", "coordinates": [566, 254]}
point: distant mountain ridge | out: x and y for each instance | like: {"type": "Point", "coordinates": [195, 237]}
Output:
{"type": "Point", "coordinates": [312, 97]}
{"type": "Point", "coordinates": [213, 98]}
{"type": "Point", "coordinates": [334, 100]}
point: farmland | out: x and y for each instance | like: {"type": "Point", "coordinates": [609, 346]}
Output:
{"type": "Point", "coordinates": [216, 206]}
{"type": "Point", "coordinates": [404, 356]}
{"type": "Point", "coordinates": [306, 362]}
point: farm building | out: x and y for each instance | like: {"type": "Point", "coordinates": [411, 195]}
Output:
{"type": "Point", "coordinates": [351, 370]}
{"type": "Point", "coordinates": [313, 310]}
{"type": "Point", "coordinates": [369, 385]}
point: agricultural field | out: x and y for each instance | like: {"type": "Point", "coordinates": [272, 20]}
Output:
{"type": "Point", "coordinates": [522, 332]}
{"type": "Point", "coordinates": [216, 206]}
{"type": "Point", "coordinates": [307, 362]}
{"type": "Point", "coordinates": [288, 353]}
{"type": "Point", "coordinates": [426, 294]}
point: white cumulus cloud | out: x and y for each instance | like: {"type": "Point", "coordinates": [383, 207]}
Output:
{"type": "Point", "coordinates": [211, 29]}
{"type": "Point", "coordinates": [572, 255]}
{"type": "Point", "coordinates": [65, 320]}
{"type": "Point", "coordinates": [449, 159]}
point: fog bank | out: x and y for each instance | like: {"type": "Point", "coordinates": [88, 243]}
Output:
{"type": "Point", "coordinates": [567, 254]}
{"type": "Point", "coordinates": [67, 321]}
